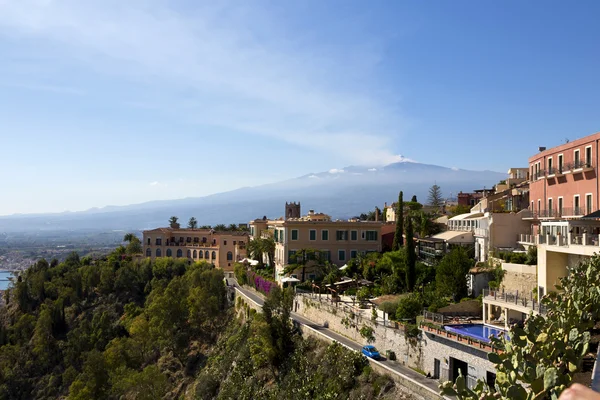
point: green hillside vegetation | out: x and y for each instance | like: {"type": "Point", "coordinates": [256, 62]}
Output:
{"type": "Point", "coordinates": [116, 328]}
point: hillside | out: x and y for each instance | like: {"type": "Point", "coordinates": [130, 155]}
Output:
{"type": "Point", "coordinates": [113, 328]}
{"type": "Point", "coordinates": [341, 193]}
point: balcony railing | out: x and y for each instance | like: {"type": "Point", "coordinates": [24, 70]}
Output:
{"type": "Point", "coordinates": [524, 300]}
{"type": "Point", "coordinates": [559, 213]}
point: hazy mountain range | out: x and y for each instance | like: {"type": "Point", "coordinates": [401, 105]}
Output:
{"type": "Point", "coordinates": [341, 193]}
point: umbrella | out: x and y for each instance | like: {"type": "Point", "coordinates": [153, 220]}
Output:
{"type": "Point", "coordinates": [343, 267]}
{"type": "Point", "coordinates": [287, 279]}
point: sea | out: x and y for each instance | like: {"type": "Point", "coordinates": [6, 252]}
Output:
{"type": "Point", "coordinates": [4, 276]}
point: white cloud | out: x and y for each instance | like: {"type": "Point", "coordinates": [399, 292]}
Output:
{"type": "Point", "coordinates": [455, 168]}
{"type": "Point", "coordinates": [336, 171]}
{"type": "Point", "coordinates": [155, 183]}
{"type": "Point", "coordinates": [372, 169]}
{"type": "Point", "coordinates": [236, 68]}
{"type": "Point", "coordinates": [313, 177]}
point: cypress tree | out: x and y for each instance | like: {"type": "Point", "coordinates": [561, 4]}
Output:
{"type": "Point", "coordinates": [411, 257]}
{"type": "Point", "coordinates": [398, 238]}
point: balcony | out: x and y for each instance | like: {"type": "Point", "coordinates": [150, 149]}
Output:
{"type": "Point", "coordinates": [579, 166]}
{"type": "Point", "coordinates": [555, 171]}
{"type": "Point", "coordinates": [520, 300]}
{"type": "Point", "coordinates": [585, 239]}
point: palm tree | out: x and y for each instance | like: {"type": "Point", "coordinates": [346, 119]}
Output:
{"type": "Point", "coordinates": [232, 227]}
{"type": "Point", "coordinates": [128, 237]}
{"type": "Point", "coordinates": [220, 227]}
{"type": "Point", "coordinates": [173, 222]}
{"type": "Point", "coordinates": [192, 223]}
{"type": "Point", "coordinates": [268, 247]}
{"type": "Point", "coordinates": [255, 250]}
{"type": "Point", "coordinates": [301, 258]}
{"type": "Point", "coordinates": [134, 246]}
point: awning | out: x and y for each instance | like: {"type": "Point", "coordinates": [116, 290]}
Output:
{"type": "Point", "coordinates": [594, 215]}
{"type": "Point", "coordinates": [250, 261]}
{"type": "Point", "coordinates": [455, 236]}
{"type": "Point", "coordinates": [291, 280]}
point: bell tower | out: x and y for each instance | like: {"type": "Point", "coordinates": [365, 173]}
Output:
{"type": "Point", "coordinates": [292, 210]}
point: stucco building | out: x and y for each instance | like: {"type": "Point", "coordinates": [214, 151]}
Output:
{"type": "Point", "coordinates": [221, 249]}
{"type": "Point", "coordinates": [337, 240]}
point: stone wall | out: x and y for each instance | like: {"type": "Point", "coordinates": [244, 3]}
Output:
{"type": "Point", "coordinates": [438, 347]}
{"type": "Point", "coordinates": [519, 277]}
{"type": "Point", "coordinates": [408, 351]}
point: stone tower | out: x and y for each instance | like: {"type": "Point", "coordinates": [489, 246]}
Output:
{"type": "Point", "coordinates": [292, 210]}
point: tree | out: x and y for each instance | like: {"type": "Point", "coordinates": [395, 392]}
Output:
{"type": "Point", "coordinates": [451, 275]}
{"type": "Point", "coordinates": [193, 223]}
{"type": "Point", "coordinates": [303, 257]}
{"type": "Point", "coordinates": [220, 227]}
{"type": "Point", "coordinates": [232, 227]}
{"type": "Point", "coordinates": [398, 236]}
{"type": "Point", "coordinates": [268, 247]}
{"type": "Point", "coordinates": [435, 196]}
{"type": "Point", "coordinates": [414, 199]}
{"type": "Point", "coordinates": [255, 250]}
{"type": "Point", "coordinates": [411, 257]}
{"type": "Point", "coordinates": [459, 209]}
{"type": "Point", "coordinates": [409, 307]}
{"type": "Point", "coordinates": [173, 222]}
{"type": "Point", "coordinates": [134, 246]}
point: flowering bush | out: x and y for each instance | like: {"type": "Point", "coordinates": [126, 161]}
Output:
{"type": "Point", "coordinates": [260, 283]}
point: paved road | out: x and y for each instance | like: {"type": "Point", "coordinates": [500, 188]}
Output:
{"type": "Point", "coordinates": [396, 367]}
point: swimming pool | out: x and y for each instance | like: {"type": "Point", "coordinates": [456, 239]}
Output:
{"type": "Point", "coordinates": [476, 331]}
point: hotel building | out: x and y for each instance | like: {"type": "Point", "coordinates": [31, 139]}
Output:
{"type": "Point", "coordinates": [338, 241]}
{"type": "Point", "coordinates": [222, 249]}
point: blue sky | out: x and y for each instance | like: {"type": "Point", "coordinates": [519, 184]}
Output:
{"type": "Point", "coordinates": [112, 102]}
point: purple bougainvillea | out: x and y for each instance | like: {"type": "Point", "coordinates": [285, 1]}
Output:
{"type": "Point", "coordinates": [260, 283]}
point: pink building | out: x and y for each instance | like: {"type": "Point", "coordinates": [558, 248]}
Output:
{"type": "Point", "coordinates": [564, 179]}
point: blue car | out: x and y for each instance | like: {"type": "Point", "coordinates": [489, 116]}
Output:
{"type": "Point", "coordinates": [371, 352]}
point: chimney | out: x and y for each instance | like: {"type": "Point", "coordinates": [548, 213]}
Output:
{"type": "Point", "coordinates": [377, 214]}
{"type": "Point", "coordinates": [541, 148]}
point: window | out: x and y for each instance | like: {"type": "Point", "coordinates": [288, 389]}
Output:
{"type": "Point", "coordinates": [158, 252]}
{"type": "Point", "coordinates": [148, 253]}
{"type": "Point", "coordinates": [550, 208]}
{"type": "Point", "coordinates": [252, 230]}
{"type": "Point", "coordinates": [560, 206]}
{"type": "Point", "coordinates": [576, 159]}
{"type": "Point", "coordinates": [576, 205]}
{"type": "Point", "coordinates": [312, 234]}
{"type": "Point", "coordinates": [276, 235]}
{"type": "Point", "coordinates": [281, 235]}
{"type": "Point", "coordinates": [195, 254]}
{"type": "Point", "coordinates": [200, 254]}
{"type": "Point", "coordinates": [325, 255]}
{"type": "Point", "coordinates": [294, 234]}
{"type": "Point", "coordinates": [324, 234]}
{"type": "Point", "coordinates": [196, 240]}
{"type": "Point", "coordinates": [312, 277]}
{"type": "Point", "coordinates": [371, 235]}
{"type": "Point", "coordinates": [539, 205]}
{"type": "Point", "coordinates": [169, 253]}
{"type": "Point", "coordinates": [224, 242]}
{"type": "Point", "coordinates": [213, 255]}
{"type": "Point", "coordinates": [229, 256]}
{"type": "Point", "coordinates": [341, 235]}
{"type": "Point", "coordinates": [342, 255]}
{"type": "Point", "coordinates": [588, 203]}
{"type": "Point", "coordinates": [188, 239]}
{"type": "Point", "coordinates": [206, 254]}
{"type": "Point", "coordinates": [560, 163]}
{"type": "Point", "coordinates": [159, 242]}
{"type": "Point", "coordinates": [214, 241]}
{"type": "Point", "coordinates": [234, 242]}
{"type": "Point", "coordinates": [292, 256]}
{"type": "Point", "coordinates": [550, 170]}
{"type": "Point", "coordinates": [149, 241]}
{"type": "Point", "coordinates": [189, 254]}
{"type": "Point", "coordinates": [203, 240]}
{"type": "Point", "coordinates": [353, 253]}
{"type": "Point", "coordinates": [353, 235]}
{"type": "Point", "coordinates": [588, 156]}
{"type": "Point", "coordinates": [179, 253]}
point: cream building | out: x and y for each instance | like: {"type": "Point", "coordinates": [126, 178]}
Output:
{"type": "Point", "coordinates": [338, 241]}
{"type": "Point", "coordinates": [221, 249]}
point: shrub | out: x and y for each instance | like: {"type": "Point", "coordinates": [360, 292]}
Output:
{"type": "Point", "coordinates": [531, 256]}
{"type": "Point", "coordinates": [261, 284]}
{"type": "Point", "coordinates": [409, 307]}
{"type": "Point", "coordinates": [367, 333]}
{"type": "Point", "coordinates": [389, 307]}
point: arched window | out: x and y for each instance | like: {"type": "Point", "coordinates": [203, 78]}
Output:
{"type": "Point", "coordinates": [158, 253]}
{"type": "Point", "coordinates": [229, 256]}
{"type": "Point", "coordinates": [148, 253]}
{"type": "Point", "coordinates": [200, 254]}
{"type": "Point", "coordinates": [214, 255]}
{"type": "Point", "coordinates": [214, 241]}
{"type": "Point", "coordinates": [169, 253]}
{"type": "Point", "coordinates": [195, 254]}
{"type": "Point", "coordinates": [189, 254]}
{"type": "Point", "coordinates": [179, 253]}
{"type": "Point", "coordinates": [206, 255]}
